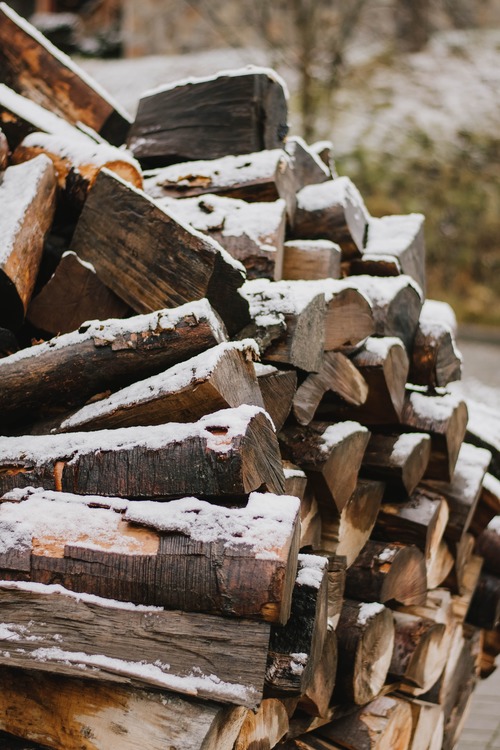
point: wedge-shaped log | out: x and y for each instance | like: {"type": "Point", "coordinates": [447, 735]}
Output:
{"type": "Point", "coordinates": [435, 359]}
{"type": "Point", "coordinates": [264, 728]}
{"type": "Point", "coordinates": [316, 700]}
{"type": "Point", "coordinates": [366, 637]}
{"type": "Point", "coordinates": [331, 456]}
{"type": "Point", "coordinates": [444, 417]}
{"type": "Point", "coordinates": [349, 315]}
{"type": "Point", "coordinates": [235, 451]}
{"type": "Point", "coordinates": [333, 210]}
{"type": "Point", "coordinates": [482, 430]}
{"type": "Point", "coordinates": [4, 151]}
{"type": "Point", "coordinates": [296, 306]}
{"type": "Point", "coordinates": [336, 587]}
{"type": "Point", "coordinates": [400, 460]}
{"type": "Point", "coordinates": [418, 657]}
{"type": "Point", "coordinates": [147, 552]}
{"type": "Point", "coordinates": [234, 112]}
{"type": "Point", "coordinates": [488, 546]}
{"type": "Point", "coordinates": [256, 177]}
{"type": "Point", "coordinates": [308, 167]}
{"type": "Point", "coordinates": [427, 722]}
{"type": "Point", "coordinates": [214, 379]}
{"type": "Point", "coordinates": [461, 603]}
{"type": "Point", "coordinates": [311, 259]}
{"type": "Point", "coordinates": [82, 714]}
{"type": "Point", "coordinates": [141, 253]}
{"type": "Point", "coordinates": [337, 375]}
{"type": "Point", "coordinates": [488, 505]}
{"type": "Point", "coordinates": [252, 233]}
{"type": "Point", "coordinates": [310, 519]}
{"type": "Point", "coordinates": [110, 354]}
{"type": "Point", "coordinates": [278, 389]}
{"type": "Point", "coordinates": [296, 648]}
{"type": "Point", "coordinates": [386, 571]}
{"type": "Point", "coordinates": [151, 646]}
{"type": "Point", "coordinates": [27, 206]}
{"type": "Point", "coordinates": [32, 66]}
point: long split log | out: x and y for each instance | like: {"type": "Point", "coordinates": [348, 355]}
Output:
{"type": "Point", "coordinates": [278, 389]}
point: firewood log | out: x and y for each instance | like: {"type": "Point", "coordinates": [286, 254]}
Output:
{"type": "Point", "coordinates": [301, 308]}
{"type": "Point", "coordinates": [427, 721]}
{"type": "Point", "coordinates": [9, 742]}
{"type": "Point", "coordinates": [336, 586]}
{"type": "Point", "coordinates": [490, 648]}
{"type": "Point", "coordinates": [386, 571]}
{"type": "Point", "coordinates": [331, 456]}
{"type": "Point", "coordinates": [435, 360]}
{"type": "Point", "coordinates": [278, 389]}
{"type": "Point", "coordinates": [333, 210]}
{"type": "Point", "coordinates": [488, 546]}
{"type": "Point", "coordinates": [462, 552]}
{"type": "Point", "coordinates": [337, 375]}
{"type": "Point", "coordinates": [482, 430]}
{"type": "Point", "coordinates": [296, 648]}
{"type": "Point", "coordinates": [66, 371]}
{"type": "Point", "coordinates": [8, 342]}
{"type": "Point", "coordinates": [4, 151]}
{"type": "Point", "coordinates": [484, 610]}
{"type": "Point", "coordinates": [69, 634]}
{"type": "Point", "coordinates": [324, 149]}
{"type": "Point", "coordinates": [418, 657]}
{"type": "Point", "coordinates": [73, 295]}
{"type": "Point", "coordinates": [317, 697]}
{"type": "Point", "coordinates": [27, 205]}
{"type": "Point", "coordinates": [308, 168]}
{"type": "Point", "coordinates": [310, 520]}
{"type": "Point", "coordinates": [488, 505]}
{"type": "Point", "coordinates": [234, 112]}
{"type": "Point", "coordinates": [366, 637]}
{"type": "Point", "coordinates": [349, 315]}
{"type": "Point", "coordinates": [399, 460]}
{"type": "Point", "coordinates": [234, 452]}
{"type": "Point", "coordinates": [35, 68]}
{"type": "Point", "coordinates": [81, 714]}
{"type": "Point", "coordinates": [140, 552]}
{"type": "Point", "coordinates": [311, 259]}
{"type": "Point", "coordinates": [141, 253]}
{"type": "Point", "coordinates": [444, 417]}
{"type": "Point", "coordinates": [461, 602]}
{"type": "Point", "coordinates": [264, 728]}
{"type": "Point", "coordinates": [214, 379]}
{"type": "Point", "coordinates": [439, 565]}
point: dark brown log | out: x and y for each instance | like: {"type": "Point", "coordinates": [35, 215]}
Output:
{"type": "Point", "coordinates": [482, 430]}
{"type": "Point", "coordinates": [348, 534]}
{"type": "Point", "coordinates": [444, 417]}
{"type": "Point", "coordinates": [252, 233]}
{"type": "Point", "coordinates": [435, 360]}
{"type": "Point", "coordinates": [185, 554]}
{"type": "Point", "coordinates": [308, 168]}
{"type": "Point", "coordinates": [235, 451]}
{"type": "Point", "coordinates": [301, 307]}
{"type": "Point", "coordinates": [66, 371]}
{"type": "Point", "coordinates": [4, 151]}
{"type": "Point", "coordinates": [337, 375]}
{"type": "Point", "coordinates": [27, 205]}
{"type": "Point", "coordinates": [154, 647]}
{"type": "Point", "coordinates": [488, 505]}
{"type": "Point", "coordinates": [309, 742]}
{"type": "Point", "coordinates": [311, 259]}
{"type": "Point", "coordinates": [490, 648]}
{"type": "Point", "coordinates": [235, 112]}
{"type": "Point", "coordinates": [418, 657]}
{"type": "Point", "coordinates": [310, 520]}
{"type": "Point", "coordinates": [295, 649]}
{"type": "Point", "coordinates": [75, 714]}
{"type": "Point", "coordinates": [324, 149]}
{"type": "Point", "coordinates": [400, 460]}
{"type": "Point", "coordinates": [484, 610]}
{"type": "Point", "coordinates": [73, 295]}
{"type": "Point", "coordinates": [141, 253]}
{"type": "Point", "coordinates": [35, 68]}
{"type": "Point", "coordinates": [366, 637]}
{"type": "Point", "coordinates": [331, 456]}
{"type": "Point", "coordinates": [215, 379]}
{"type": "Point", "coordinates": [264, 728]}
{"type": "Point", "coordinates": [388, 571]}
{"type": "Point", "coordinates": [470, 580]}
{"type": "Point", "coordinates": [8, 342]}
{"type": "Point", "coordinates": [277, 388]}
{"type": "Point", "coordinates": [316, 699]}
{"type": "Point", "coordinates": [9, 742]}
{"type": "Point", "coordinates": [332, 210]}
{"type": "Point", "coordinates": [488, 546]}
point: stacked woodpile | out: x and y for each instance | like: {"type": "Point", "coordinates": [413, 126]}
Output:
{"type": "Point", "coordinates": [238, 508]}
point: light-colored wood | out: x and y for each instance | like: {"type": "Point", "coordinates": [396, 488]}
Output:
{"type": "Point", "coordinates": [311, 259]}
{"type": "Point", "coordinates": [427, 725]}
{"type": "Point", "coordinates": [264, 728]}
{"type": "Point", "coordinates": [317, 697]}
{"type": "Point", "coordinates": [418, 657]}
{"type": "Point", "coordinates": [278, 389]}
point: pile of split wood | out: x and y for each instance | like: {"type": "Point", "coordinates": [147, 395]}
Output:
{"type": "Point", "coordinates": [239, 508]}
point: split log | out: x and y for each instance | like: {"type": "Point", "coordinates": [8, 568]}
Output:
{"type": "Point", "coordinates": [27, 206]}
{"type": "Point", "coordinates": [488, 546]}
{"type": "Point", "coordinates": [69, 369]}
{"type": "Point", "coordinates": [488, 505]}
{"type": "Point", "coordinates": [73, 295]}
{"type": "Point", "coordinates": [383, 363]}
{"type": "Point", "coordinates": [383, 724]}
{"type": "Point", "coordinates": [263, 729]}
{"type": "Point", "coordinates": [388, 571]}
{"type": "Point", "coordinates": [243, 561]}
{"type": "Point", "coordinates": [277, 388]}
{"type": "Point", "coordinates": [300, 308]}
{"type": "Point", "coordinates": [444, 417]}
{"type": "Point", "coordinates": [295, 480]}
{"type": "Point", "coordinates": [296, 648]}
{"type": "Point", "coordinates": [427, 722]}
{"type": "Point", "coordinates": [235, 451]}
{"type": "Point", "coordinates": [490, 648]}
{"type": "Point", "coordinates": [337, 375]}
{"type": "Point", "coordinates": [336, 586]}
{"type": "Point", "coordinates": [69, 634]}
{"type": "Point", "coordinates": [418, 657]}
{"type": "Point", "coordinates": [32, 66]}
{"type": "Point", "coordinates": [439, 565]}
{"type": "Point", "coordinates": [75, 714]}
{"type": "Point", "coordinates": [252, 233]}
{"type": "Point", "coordinates": [399, 460]}
{"type": "Point", "coordinates": [331, 456]}
{"type": "Point", "coordinates": [461, 603]}
{"type": "Point", "coordinates": [234, 112]}
{"type": "Point", "coordinates": [435, 360]}
{"type": "Point", "coordinates": [263, 176]}
{"type": "Point", "coordinates": [317, 697]}
{"type": "Point", "coordinates": [4, 151]}
{"type": "Point", "coordinates": [484, 610]}
{"type": "Point", "coordinates": [308, 168]}
{"type": "Point", "coordinates": [324, 149]}
{"type": "Point", "coordinates": [482, 430]}
{"type": "Point", "coordinates": [311, 259]}
{"type": "Point", "coordinates": [349, 316]}
{"type": "Point", "coordinates": [347, 535]}
{"type": "Point", "coordinates": [141, 252]}
{"type": "Point", "coordinates": [310, 519]}
{"type": "Point", "coordinates": [462, 493]}
{"type": "Point", "coordinates": [366, 638]}
{"type": "Point", "coordinates": [333, 210]}
{"type": "Point", "coordinates": [214, 379]}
